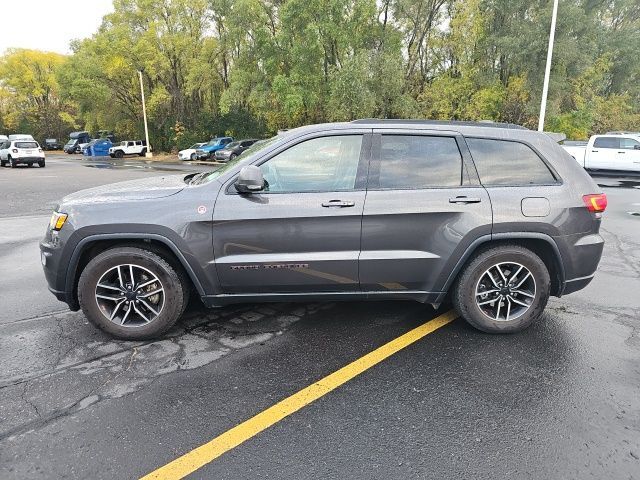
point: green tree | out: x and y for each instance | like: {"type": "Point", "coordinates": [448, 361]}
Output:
{"type": "Point", "coordinates": [30, 94]}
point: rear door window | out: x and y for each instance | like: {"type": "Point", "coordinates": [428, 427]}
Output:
{"type": "Point", "coordinates": [417, 161]}
{"type": "Point", "coordinates": [629, 143]}
{"type": "Point", "coordinates": [502, 162]}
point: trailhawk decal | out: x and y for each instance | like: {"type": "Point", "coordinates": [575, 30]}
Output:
{"type": "Point", "coordinates": [275, 266]}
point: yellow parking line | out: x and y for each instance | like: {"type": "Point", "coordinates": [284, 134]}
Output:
{"type": "Point", "coordinates": [200, 456]}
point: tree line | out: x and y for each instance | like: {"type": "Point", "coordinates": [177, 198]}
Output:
{"type": "Point", "coordinates": [251, 67]}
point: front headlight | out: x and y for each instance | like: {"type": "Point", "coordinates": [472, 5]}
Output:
{"type": "Point", "coordinates": [57, 221]}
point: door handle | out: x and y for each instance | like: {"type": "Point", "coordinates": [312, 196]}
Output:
{"type": "Point", "coordinates": [463, 199]}
{"type": "Point", "coordinates": [622, 152]}
{"type": "Point", "coordinates": [596, 151]}
{"type": "Point", "coordinates": [338, 203]}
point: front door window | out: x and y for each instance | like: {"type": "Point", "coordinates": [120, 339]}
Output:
{"type": "Point", "coordinates": [326, 164]}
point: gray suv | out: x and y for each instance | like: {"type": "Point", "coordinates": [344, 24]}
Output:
{"type": "Point", "coordinates": [494, 217]}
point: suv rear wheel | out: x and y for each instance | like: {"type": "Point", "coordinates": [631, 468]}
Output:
{"type": "Point", "coordinates": [503, 289]}
{"type": "Point", "coordinates": [132, 293]}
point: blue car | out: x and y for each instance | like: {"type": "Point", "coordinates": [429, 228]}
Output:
{"type": "Point", "coordinates": [207, 151]}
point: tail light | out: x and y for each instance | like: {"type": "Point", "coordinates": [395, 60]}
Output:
{"type": "Point", "coordinates": [40, 150]}
{"type": "Point", "coordinates": [15, 150]}
{"type": "Point", "coordinates": [596, 203]}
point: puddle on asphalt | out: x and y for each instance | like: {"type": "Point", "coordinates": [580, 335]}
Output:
{"type": "Point", "coordinates": [617, 180]}
{"type": "Point", "coordinates": [620, 184]}
{"type": "Point", "coordinates": [127, 166]}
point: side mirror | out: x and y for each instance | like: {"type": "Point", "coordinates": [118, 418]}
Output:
{"type": "Point", "coordinates": [636, 147]}
{"type": "Point", "coordinates": [250, 180]}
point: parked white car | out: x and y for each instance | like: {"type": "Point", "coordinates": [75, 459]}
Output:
{"type": "Point", "coordinates": [608, 152]}
{"type": "Point", "coordinates": [189, 153]}
{"type": "Point", "coordinates": [15, 152]}
{"type": "Point", "coordinates": [128, 147]}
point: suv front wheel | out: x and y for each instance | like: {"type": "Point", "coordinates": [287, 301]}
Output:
{"type": "Point", "coordinates": [132, 293]}
{"type": "Point", "coordinates": [503, 289]}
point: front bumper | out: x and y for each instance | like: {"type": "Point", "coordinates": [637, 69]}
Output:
{"type": "Point", "coordinates": [56, 249]}
{"type": "Point", "coordinates": [55, 272]}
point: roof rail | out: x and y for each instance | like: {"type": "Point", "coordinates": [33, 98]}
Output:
{"type": "Point", "coordinates": [481, 123]}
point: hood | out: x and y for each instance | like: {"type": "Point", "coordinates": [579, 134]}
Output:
{"type": "Point", "coordinates": [143, 189]}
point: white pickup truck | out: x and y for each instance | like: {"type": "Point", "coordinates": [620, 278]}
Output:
{"type": "Point", "coordinates": [607, 152]}
{"type": "Point", "coordinates": [128, 147]}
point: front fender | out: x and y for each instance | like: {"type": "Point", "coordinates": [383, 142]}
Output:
{"type": "Point", "coordinates": [164, 236]}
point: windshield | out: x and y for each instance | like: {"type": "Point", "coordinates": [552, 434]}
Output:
{"type": "Point", "coordinates": [232, 145]}
{"type": "Point", "coordinates": [246, 157]}
{"type": "Point", "coordinates": [194, 146]}
{"type": "Point", "coordinates": [71, 142]}
{"type": "Point", "coordinates": [215, 141]}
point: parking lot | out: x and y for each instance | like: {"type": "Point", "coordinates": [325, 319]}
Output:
{"type": "Point", "coordinates": [560, 400]}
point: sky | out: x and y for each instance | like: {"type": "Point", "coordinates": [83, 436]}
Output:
{"type": "Point", "coordinates": [49, 24]}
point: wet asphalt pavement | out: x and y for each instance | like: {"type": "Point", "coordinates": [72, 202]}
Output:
{"type": "Point", "coordinates": [560, 400]}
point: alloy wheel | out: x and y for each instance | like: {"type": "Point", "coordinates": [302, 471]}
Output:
{"type": "Point", "coordinates": [505, 291]}
{"type": "Point", "coordinates": [130, 295]}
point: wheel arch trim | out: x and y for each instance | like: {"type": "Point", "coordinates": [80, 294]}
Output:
{"type": "Point", "coordinates": [478, 242]}
{"type": "Point", "coordinates": [88, 240]}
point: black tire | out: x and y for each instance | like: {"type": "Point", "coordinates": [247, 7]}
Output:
{"type": "Point", "coordinates": [41, 164]}
{"type": "Point", "coordinates": [143, 152]}
{"type": "Point", "coordinates": [3, 163]}
{"type": "Point", "coordinates": [173, 281]}
{"type": "Point", "coordinates": [119, 154]}
{"type": "Point", "coordinates": [464, 291]}
{"type": "Point", "coordinates": [193, 157]}
{"type": "Point", "coordinates": [232, 156]}
{"type": "Point", "coordinates": [12, 163]}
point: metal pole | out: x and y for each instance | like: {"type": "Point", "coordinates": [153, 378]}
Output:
{"type": "Point", "coordinates": [144, 115]}
{"type": "Point", "coordinates": [547, 70]}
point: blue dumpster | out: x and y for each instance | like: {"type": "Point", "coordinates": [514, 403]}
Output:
{"type": "Point", "coordinates": [98, 148]}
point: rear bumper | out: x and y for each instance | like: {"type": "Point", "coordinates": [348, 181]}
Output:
{"type": "Point", "coordinates": [581, 254]}
{"type": "Point", "coordinates": [576, 284]}
{"type": "Point", "coordinates": [28, 159]}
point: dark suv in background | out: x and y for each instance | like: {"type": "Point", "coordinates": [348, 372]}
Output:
{"type": "Point", "coordinates": [233, 150]}
{"type": "Point", "coordinates": [493, 216]}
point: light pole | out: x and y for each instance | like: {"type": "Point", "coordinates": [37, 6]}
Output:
{"type": "Point", "coordinates": [144, 115]}
{"type": "Point", "coordinates": [547, 70]}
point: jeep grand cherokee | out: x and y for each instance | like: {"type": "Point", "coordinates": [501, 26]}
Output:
{"type": "Point", "coordinates": [494, 217]}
